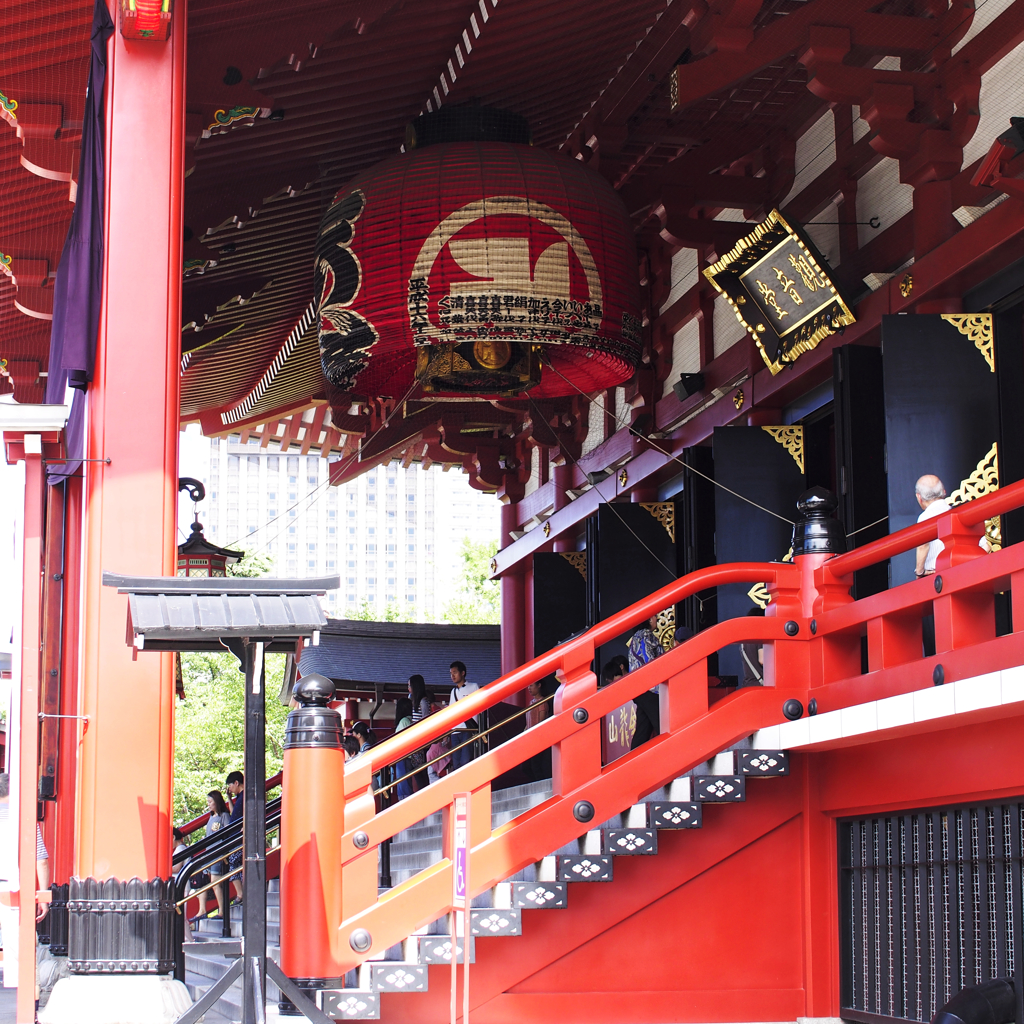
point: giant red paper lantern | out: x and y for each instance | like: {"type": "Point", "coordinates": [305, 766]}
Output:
{"type": "Point", "coordinates": [480, 267]}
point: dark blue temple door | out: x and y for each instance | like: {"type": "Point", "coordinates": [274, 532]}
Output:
{"type": "Point", "coordinates": [860, 455]}
{"type": "Point", "coordinates": [631, 551]}
{"type": "Point", "coordinates": [559, 597]}
{"type": "Point", "coordinates": [764, 464]}
{"type": "Point", "coordinates": [941, 412]}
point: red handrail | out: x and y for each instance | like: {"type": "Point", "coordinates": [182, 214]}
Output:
{"type": "Point", "coordinates": [970, 513]}
{"type": "Point", "coordinates": [797, 649]}
{"type": "Point", "coordinates": [197, 823]}
{"type": "Point", "coordinates": [579, 649]}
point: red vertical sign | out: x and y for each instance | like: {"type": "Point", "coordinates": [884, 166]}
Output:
{"type": "Point", "coordinates": [460, 903]}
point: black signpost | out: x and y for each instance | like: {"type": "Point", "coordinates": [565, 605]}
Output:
{"type": "Point", "coordinates": [251, 618]}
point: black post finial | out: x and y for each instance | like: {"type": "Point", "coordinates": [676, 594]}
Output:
{"type": "Point", "coordinates": [313, 723]}
{"type": "Point", "coordinates": [816, 531]}
{"type": "Point", "coordinates": [314, 690]}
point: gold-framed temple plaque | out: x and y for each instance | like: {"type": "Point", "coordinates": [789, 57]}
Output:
{"type": "Point", "coordinates": [781, 290]}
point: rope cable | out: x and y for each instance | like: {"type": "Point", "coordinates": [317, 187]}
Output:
{"type": "Point", "coordinates": [676, 458]}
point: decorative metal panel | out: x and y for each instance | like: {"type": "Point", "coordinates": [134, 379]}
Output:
{"type": "Point", "coordinates": [120, 927]}
{"type": "Point", "coordinates": [437, 949]}
{"type": "Point", "coordinates": [349, 1004]}
{"type": "Point", "coordinates": [720, 788]}
{"type": "Point", "coordinates": [674, 815]}
{"type": "Point", "coordinates": [630, 842]}
{"type": "Point", "coordinates": [399, 977]}
{"type": "Point", "coordinates": [581, 868]}
{"type": "Point", "coordinates": [764, 762]}
{"type": "Point", "coordinates": [540, 894]}
{"type": "Point", "coordinates": [927, 902]}
{"type": "Point", "coordinates": [496, 922]}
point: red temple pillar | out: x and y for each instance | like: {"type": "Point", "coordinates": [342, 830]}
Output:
{"type": "Point", "coordinates": [63, 851]}
{"type": "Point", "coordinates": [125, 759]}
{"type": "Point", "coordinates": [28, 725]}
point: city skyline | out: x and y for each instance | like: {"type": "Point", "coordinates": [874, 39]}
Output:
{"type": "Point", "coordinates": [393, 535]}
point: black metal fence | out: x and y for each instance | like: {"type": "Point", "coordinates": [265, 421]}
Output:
{"type": "Point", "coordinates": [930, 903]}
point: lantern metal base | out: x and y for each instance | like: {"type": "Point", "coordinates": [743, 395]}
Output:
{"type": "Point", "coordinates": [482, 367]}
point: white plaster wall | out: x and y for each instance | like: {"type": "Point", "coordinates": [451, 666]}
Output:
{"type": "Point", "coordinates": [985, 13]}
{"type": "Point", "coordinates": [728, 330]}
{"type": "Point", "coordinates": [684, 275]}
{"type": "Point", "coordinates": [881, 194]}
{"type": "Point", "coordinates": [685, 353]}
{"type": "Point", "coordinates": [824, 233]}
{"type": "Point", "coordinates": [1002, 95]}
{"type": "Point", "coordinates": [815, 152]}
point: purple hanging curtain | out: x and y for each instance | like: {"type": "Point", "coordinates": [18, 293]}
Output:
{"type": "Point", "coordinates": [77, 289]}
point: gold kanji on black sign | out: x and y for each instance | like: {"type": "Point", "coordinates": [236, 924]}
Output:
{"type": "Point", "coordinates": [781, 290]}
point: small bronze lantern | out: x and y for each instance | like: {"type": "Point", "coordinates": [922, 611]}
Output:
{"type": "Point", "coordinates": [197, 556]}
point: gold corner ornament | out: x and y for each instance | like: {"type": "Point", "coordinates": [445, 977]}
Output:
{"type": "Point", "coordinates": [758, 593]}
{"type": "Point", "coordinates": [665, 629]}
{"type": "Point", "coordinates": [907, 285]}
{"type": "Point", "coordinates": [494, 565]}
{"type": "Point", "coordinates": [976, 327]}
{"type": "Point", "coordinates": [781, 290]}
{"type": "Point", "coordinates": [984, 480]}
{"type": "Point", "coordinates": [665, 513]}
{"type": "Point", "coordinates": [737, 399]}
{"type": "Point", "coordinates": [578, 560]}
{"type": "Point", "coordinates": [547, 529]}
{"type": "Point", "coordinates": [792, 439]}
{"type": "Point", "coordinates": [623, 478]}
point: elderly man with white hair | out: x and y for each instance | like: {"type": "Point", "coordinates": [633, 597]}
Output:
{"type": "Point", "coordinates": [931, 496]}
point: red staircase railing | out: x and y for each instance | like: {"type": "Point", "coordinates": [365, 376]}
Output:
{"type": "Point", "coordinates": [812, 649]}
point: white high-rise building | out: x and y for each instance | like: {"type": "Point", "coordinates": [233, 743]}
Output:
{"type": "Point", "coordinates": [392, 535]}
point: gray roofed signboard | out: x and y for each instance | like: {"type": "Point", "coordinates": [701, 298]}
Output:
{"type": "Point", "coordinates": [196, 613]}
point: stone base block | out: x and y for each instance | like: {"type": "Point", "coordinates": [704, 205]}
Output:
{"type": "Point", "coordinates": [116, 999]}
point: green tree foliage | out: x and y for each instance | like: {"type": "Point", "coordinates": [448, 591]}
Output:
{"type": "Point", "coordinates": [209, 727]}
{"type": "Point", "coordinates": [254, 563]}
{"type": "Point", "coordinates": [478, 598]}
{"type": "Point", "coordinates": [389, 611]}
{"type": "Point", "coordinates": [209, 724]}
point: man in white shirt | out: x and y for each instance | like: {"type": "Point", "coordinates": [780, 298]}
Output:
{"type": "Point", "coordinates": [931, 496]}
{"type": "Point", "coordinates": [464, 731]}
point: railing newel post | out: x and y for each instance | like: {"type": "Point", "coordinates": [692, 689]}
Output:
{"type": "Point", "coordinates": [313, 820]}
{"type": "Point", "coordinates": [577, 758]}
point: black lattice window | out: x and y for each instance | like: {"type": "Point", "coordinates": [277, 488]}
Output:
{"type": "Point", "coordinates": [930, 903]}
